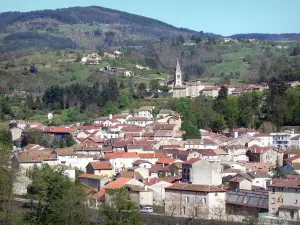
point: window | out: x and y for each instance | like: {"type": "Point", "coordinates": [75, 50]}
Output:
{"type": "Point", "coordinates": [273, 200]}
{"type": "Point", "coordinates": [204, 200]}
{"type": "Point", "coordinates": [257, 181]}
{"type": "Point", "coordinates": [186, 199]}
{"type": "Point", "coordinates": [292, 214]}
{"type": "Point", "coordinates": [184, 210]}
{"type": "Point", "coordinates": [273, 190]}
{"type": "Point", "coordinates": [273, 210]}
{"type": "Point", "coordinates": [196, 211]}
{"type": "Point", "coordinates": [216, 194]}
{"type": "Point", "coordinates": [296, 202]}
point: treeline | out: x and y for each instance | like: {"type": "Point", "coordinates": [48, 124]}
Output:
{"type": "Point", "coordinates": [271, 37]}
{"type": "Point", "coordinates": [78, 95]}
{"type": "Point", "coordinates": [37, 41]}
{"type": "Point", "coordinates": [265, 110]}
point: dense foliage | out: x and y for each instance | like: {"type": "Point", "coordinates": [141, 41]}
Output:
{"type": "Point", "coordinates": [27, 40]}
{"type": "Point", "coordinates": [278, 106]}
{"type": "Point", "coordinates": [7, 177]}
{"type": "Point", "coordinates": [56, 199]}
{"type": "Point", "coordinates": [121, 211]}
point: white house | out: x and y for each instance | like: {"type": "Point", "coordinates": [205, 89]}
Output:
{"type": "Point", "coordinates": [121, 161]}
{"type": "Point", "coordinates": [139, 121]}
{"type": "Point", "coordinates": [66, 156]}
{"type": "Point", "coordinates": [197, 171]}
{"type": "Point", "coordinates": [265, 139]}
{"type": "Point", "coordinates": [295, 142]}
{"type": "Point", "coordinates": [195, 201]}
{"type": "Point", "coordinates": [144, 111]}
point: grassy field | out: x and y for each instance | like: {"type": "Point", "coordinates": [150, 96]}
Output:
{"type": "Point", "coordinates": [228, 67]}
{"type": "Point", "coordinates": [84, 27]}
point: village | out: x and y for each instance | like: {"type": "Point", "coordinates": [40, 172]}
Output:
{"type": "Point", "coordinates": [217, 176]}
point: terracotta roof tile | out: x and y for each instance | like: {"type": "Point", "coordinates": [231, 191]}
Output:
{"type": "Point", "coordinates": [285, 183]}
{"type": "Point", "coordinates": [98, 194]}
{"type": "Point", "coordinates": [119, 183]}
{"type": "Point", "coordinates": [291, 159]}
{"type": "Point", "coordinates": [165, 160]}
{"type": "Point", "coordinates": [191, 161]}
{"type": "Point", "coordinates": [102, 165]}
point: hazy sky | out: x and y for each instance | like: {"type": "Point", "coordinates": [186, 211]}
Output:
{"type": "Point", "coordinates": [217, 16]}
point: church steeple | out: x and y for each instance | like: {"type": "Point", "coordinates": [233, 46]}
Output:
{"type": "Point", "coordinates": [178, 75]}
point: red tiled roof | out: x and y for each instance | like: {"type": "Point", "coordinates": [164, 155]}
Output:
{"type": "Point", "coordinates": [244, 130]}
{"type": "Point", "coordinates": [285, 183]}
{"type": "Point", "coordinates": [165, 160]}
{"type": "Point", "coordinates": [195, 188]}
{"type": "Point", "coordinates": [121, 155]}
{"type": "Point", "coordinates": [297, 137]}
{"type": "Point", "coordinates": [59, 130]}
{"type": "Point", "coordinates": [258, 149]}
{"type": "Point", "coordinates": [237, 179]}
{"type": "Point", "coordinates": [151, 155]}
{"type": "Point", "coordinates": [98, 194]}
{"type": "Point", "coordinates": [103, 165]}
{"type": "Point", "coordinates": [119, 183]}
{"type": "Point", "coordinates": [297, 177]}
{"type": "Point", "coordinates": [85, 175]}
{"type": "Point", "coordinates": [262, 135]}
{"type": "Point", "coordinates": [66, 151]}
{"type": "Point", "coordinates": [291, 159]}
{"type": "Point", "coordinates": [191, 161]}
{"type": "Point", "coordinates": [208, 142]}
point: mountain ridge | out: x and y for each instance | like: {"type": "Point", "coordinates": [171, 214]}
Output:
{"type": "Point", "coordinates": [124, 18]}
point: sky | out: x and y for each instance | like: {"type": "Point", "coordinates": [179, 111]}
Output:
{"type": "Point", "coordinates": [216, 16]}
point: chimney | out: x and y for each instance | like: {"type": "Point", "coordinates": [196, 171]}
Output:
{"type": "Point", "coordinates": [110, 116]}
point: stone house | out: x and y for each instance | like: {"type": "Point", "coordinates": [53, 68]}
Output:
{"type": "Point", "coordinates": [102, 168]}
{"type": "Point", "coordinates": [240, 182]}
{"type": "Point", "coordinates": [197, 171]}
{"type": "Point", "coordinates": [93, 181]}
{"type": "Point", "coordinates": [295, 142]}
{"type": "Point", "coordinates": [144, 111]}
{"type": "Point", "coordinates": [208, 155]}
{"type": "Point", "coordinates": [265, 155]}
{"type": "Point", "coordinates": [236, 152]}
{"type": "Point", "coordinates": [196, 201]}
{"type": "Point", "coordinates": [284, 199]}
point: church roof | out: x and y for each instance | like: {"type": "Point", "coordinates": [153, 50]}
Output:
{"type": "Point", "coordinates": [178, 70]}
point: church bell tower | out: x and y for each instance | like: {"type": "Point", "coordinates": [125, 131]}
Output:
{"type": "Point", "coordinates": [178, 75]}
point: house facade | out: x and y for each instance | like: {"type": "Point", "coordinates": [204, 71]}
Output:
{"type": "Point", "coordinates": [197, 171]}
{"type": "Point", "coordinates": [196, 201]}
{"type": "Point", "coordinates": [284, 199]}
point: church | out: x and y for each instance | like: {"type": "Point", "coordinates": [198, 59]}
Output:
{"type": "Point", "coordinates": [188, 89]}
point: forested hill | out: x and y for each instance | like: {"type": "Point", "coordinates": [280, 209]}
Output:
{"type": "Point", "coordinates": [83, 28]}
{"type": "Point", "coordinates": [95, 15]}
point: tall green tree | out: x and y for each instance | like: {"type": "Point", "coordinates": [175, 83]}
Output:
{"type": "Point", "coordinates": [121, 210]}
{"type": "Point", "coordinates": [29, 101]}
{"type": "Point", "coordinates": [276, 102]}
{"type": "Point", "coordinates": [154, 85]}
{"type": "Point", "coordinates": [141, 90]}
{"type": "Point", "coordinates": [7, 178]}
{"type": "Point", "coordinates": [154, 112]}
{"type": "Point", "coordinates": [57, 199]}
